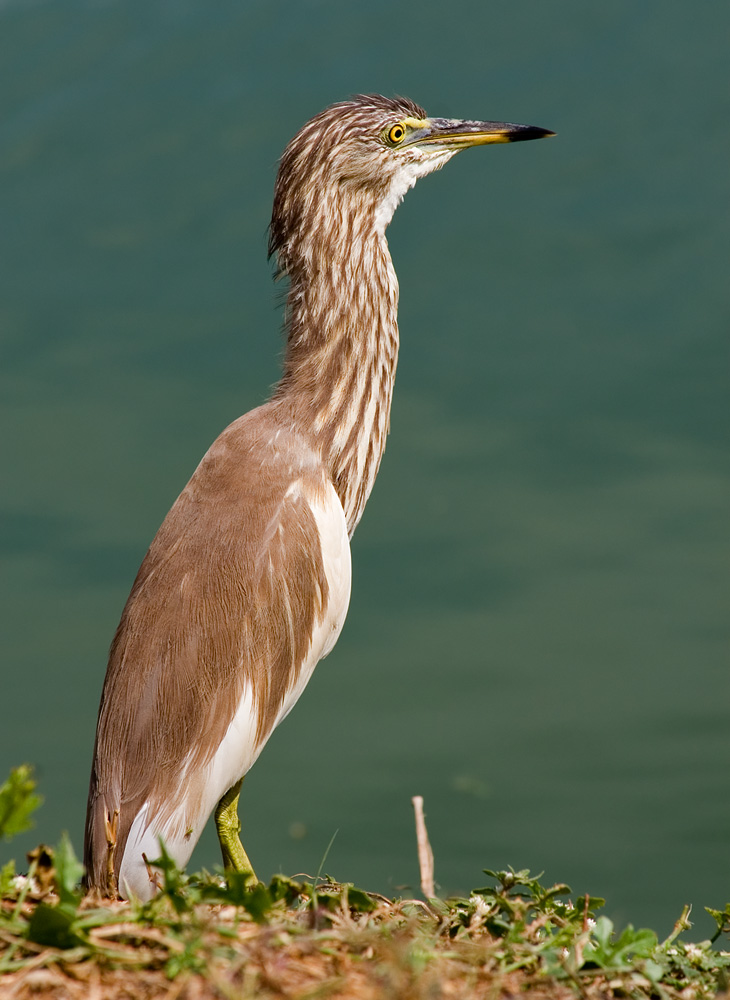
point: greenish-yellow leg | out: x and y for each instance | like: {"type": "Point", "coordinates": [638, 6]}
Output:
{"type": "Point", "coordinates": [228, 826]}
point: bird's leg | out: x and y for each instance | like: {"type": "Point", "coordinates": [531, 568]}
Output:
{"type": "Point", "coordinates": [228, 826]}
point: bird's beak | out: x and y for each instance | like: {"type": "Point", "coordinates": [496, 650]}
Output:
{"type": "Point", "coordinates": [453, 134]}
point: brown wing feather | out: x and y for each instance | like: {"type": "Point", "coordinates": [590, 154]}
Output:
{"type": "Point", "coordinates": [228, 593]}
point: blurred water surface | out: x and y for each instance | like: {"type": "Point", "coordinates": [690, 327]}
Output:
{"type": "Point", "coordinates": [537, 640]}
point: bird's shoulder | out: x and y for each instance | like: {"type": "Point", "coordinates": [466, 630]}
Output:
{"type": "Point", "coordinates": [260, 478]}
{"type": "Point", "coordinates": [258, 455]}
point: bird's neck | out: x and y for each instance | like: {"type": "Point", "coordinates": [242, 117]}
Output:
{"type": "Point", "coordinates": [342, 346]}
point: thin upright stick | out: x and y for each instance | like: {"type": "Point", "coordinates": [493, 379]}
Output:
{"type": "Point", "coordinates": [425, 854]}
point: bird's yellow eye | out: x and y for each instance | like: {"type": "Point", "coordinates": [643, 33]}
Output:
{"type": "Point", "coordinates": [396, 133]}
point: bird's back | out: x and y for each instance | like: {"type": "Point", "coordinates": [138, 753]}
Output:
{"type": "Point", "coordinates": [243, 589]}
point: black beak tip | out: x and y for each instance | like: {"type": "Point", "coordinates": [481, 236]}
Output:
{"type": "Point", "coordinates": [530, 132]}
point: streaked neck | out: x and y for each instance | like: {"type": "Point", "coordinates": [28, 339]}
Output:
{"type": "Point", "coordinates": [342, 346]}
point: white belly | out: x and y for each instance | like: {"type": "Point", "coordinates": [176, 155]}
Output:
{"type": "Point", "coordinates": [238, 749]}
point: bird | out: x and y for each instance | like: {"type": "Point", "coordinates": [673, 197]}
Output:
{"type": "Point", "coordinates": [246, 584]}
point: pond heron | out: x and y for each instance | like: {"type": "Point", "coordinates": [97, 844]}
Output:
{"type": "Point", "coordinates": [246, 585]}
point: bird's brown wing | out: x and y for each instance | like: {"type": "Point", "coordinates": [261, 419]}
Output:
{"type": "Point", "coordinates": [229, 593]}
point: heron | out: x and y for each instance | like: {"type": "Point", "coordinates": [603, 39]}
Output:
{"type": "Point", "coordinates": [246, 585]}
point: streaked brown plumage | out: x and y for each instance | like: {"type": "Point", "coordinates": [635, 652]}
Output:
{"type": "Point", "coordinates": [246, 584]}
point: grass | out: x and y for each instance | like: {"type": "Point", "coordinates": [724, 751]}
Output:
{"type": "Point", "coordinates": [207, 936]}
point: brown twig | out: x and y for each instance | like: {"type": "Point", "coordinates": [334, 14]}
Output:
{"type": "Point", "coordinates": [425, 854]}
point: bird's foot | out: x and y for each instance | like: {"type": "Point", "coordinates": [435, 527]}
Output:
{"type": "Point", "coordinates": [228, 826]}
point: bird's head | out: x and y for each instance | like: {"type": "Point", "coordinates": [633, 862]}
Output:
{"type": "Point", "coordinates": [361, 156]}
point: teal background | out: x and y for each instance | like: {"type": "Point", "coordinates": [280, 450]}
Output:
{"type": "Point", "coordinates": [537, 639]}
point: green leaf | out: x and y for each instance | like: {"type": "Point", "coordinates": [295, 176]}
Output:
{"type": "Point", "coordinates": [510, 879]}
{"type": "Point", "coordinates": [653, 970]}
{"type": "Point", "coordinates": [69, 872]}
{"type": "Point", "coordinates": [241, 890]}
{"type": "Point", "coordinates": [257, 902]}
{"type": "Point", "coordinates": [7, 876]}
{"type": "Point", "coordinates": [53, 926]}
{"type": "Point", "coordinates": [176, 885]}
{"type": "Point", "coordinates": [18, 801]}
{"type": "Point", "coordinates": [282, 887]}
{"type": "Point", "coordinates": [359, 900]}
{"type": "Point", "coordinates": [608, 953]}
{"type": "Point", "coordinates": [722, 919]}
{"type": "Point", "coordinates": [189, 960]}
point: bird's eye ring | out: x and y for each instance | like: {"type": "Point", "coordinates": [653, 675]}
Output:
{"type": "Point", "coordinates": [396, 133]}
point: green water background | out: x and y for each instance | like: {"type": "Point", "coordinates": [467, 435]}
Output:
{"type": "Point", "coordinates": [537, 639]}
